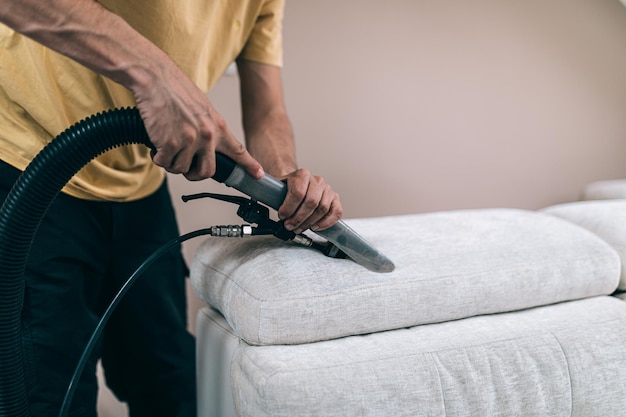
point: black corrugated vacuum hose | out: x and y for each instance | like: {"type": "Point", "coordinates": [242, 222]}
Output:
{"type": "Point", "coordinates": [20, 216]}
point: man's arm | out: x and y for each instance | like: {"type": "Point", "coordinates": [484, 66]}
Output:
{"type": "Point", "coordinates": [310, 202]}
{"type": "Point", "coordinates": [182, 124]}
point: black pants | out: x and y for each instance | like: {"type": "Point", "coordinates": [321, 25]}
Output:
{"type": "Point", "coordinates": [82, 254]}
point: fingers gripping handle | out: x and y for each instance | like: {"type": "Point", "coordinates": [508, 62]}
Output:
{"type": "Point", "coordinates": [267, 190]}
{"type": "Point", "coordinates": [272, 192]}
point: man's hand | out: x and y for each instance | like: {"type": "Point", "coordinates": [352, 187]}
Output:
{"type": "Point", "coordinates": [310, 203]}
{"type": "Point", "coordinates": [185, 128]}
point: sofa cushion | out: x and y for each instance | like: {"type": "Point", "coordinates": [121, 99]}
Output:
{"type": "Point", "coordinates": [605, 190]}
{"type": "Point", "coordinates": [606, 219]}
{"type": "Point", "coordinates": [215, 346]}
{"type": "Point", "coordinates": [449, 265]}
{"type": "Point", "coordinates": [558, 361]}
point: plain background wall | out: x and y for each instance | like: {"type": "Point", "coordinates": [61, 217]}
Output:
{"type": "Point", "coordinates": [410, 106]}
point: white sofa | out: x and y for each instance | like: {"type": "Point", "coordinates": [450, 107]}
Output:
{"type": "Point", "coordinates": [496, 312]}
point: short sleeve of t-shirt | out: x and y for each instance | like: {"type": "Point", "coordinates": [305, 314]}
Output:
{"type": "Point", "coordinates": [265, 43]}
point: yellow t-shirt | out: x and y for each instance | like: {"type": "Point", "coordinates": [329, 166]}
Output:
{"type": "Point", "coordinates": [42, 92]}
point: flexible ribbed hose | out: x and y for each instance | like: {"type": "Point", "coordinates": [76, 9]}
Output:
{"type": "Point", "coordinates": [20, 216]}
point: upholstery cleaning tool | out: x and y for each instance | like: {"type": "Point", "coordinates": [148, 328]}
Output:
{"type": "Point", "coordinates": [272, 192]}
{"type": "Point", "coordinates": [253, 212]}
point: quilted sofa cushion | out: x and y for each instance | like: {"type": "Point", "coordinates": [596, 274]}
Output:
{"type": "Point", "coordinates": [605, 218]}
{"type": "Point", "coordinates": [562, 360]}
{"type": "Point", "coordinates": [449, 265]}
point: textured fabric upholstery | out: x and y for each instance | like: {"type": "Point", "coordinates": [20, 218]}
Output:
{"type": "Point", "coordinates": [559, 361]}
{"type": "Point", "coordinates": [607, 219]}
{"type": "Point", "coordinates": [449, 265]}
{"type": "Point", "coordinates": [215, 347]}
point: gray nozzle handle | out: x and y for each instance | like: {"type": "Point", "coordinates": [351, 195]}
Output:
{"type": "Point", "coordinates": [272, 192]}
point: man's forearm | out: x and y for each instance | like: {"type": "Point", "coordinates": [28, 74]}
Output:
{"type": "Point", "coordinates": [88, 33]}
{"type": "Point", "coordinates": [310, 201]}
{"type": "Point", "coordinates": [269, 135]}
{"type": "Point", "coordinates": [270, 141]}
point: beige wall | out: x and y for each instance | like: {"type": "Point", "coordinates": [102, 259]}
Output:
{"type": "Point", "coordinates": [410, 106]}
